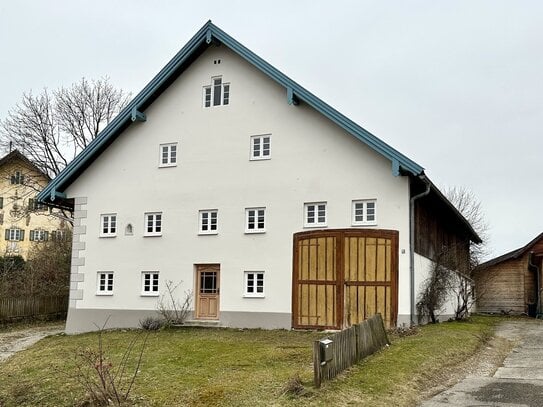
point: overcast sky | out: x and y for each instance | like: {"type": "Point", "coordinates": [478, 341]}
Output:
{"type": "Point", "coordinates": [457, 86]}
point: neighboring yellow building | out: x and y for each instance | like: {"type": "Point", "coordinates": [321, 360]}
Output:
{"type": "Point", "coordinates": [23, 221]}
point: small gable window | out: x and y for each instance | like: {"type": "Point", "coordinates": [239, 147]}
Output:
{"type": "Point", "coordinates": [17, 178]}
{"type": "Point", "coordinates": [255, 220]}
{"type": "Point", "coordinates": [261, 147]}
{"type": "Point", "coordinates": [216, 94]}
{"type": "Point", "coordinates": [168, 155]}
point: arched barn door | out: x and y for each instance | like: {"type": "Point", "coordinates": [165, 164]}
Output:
{"type": "Point", "coordinates": [341, 277]}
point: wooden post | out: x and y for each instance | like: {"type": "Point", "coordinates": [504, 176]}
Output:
{"type": "Point", "coordinates": [317, 364]}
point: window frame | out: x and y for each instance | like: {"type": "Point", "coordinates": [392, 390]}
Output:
{"type": "Point", "coordinates": [260, 138]}
{"type": "Point", "coordinates": [18, 234]}
{"type": "Point", "coordinates": [364, 221]}
{"type": "Point", "coordinates": [109, 216]}
{"type": "Point", "coordinates": [256, 229]}
{"type": "Point", "coordinates": [316, 209]}
{"type": "Point", "coordinates": [154, 232]}
{"type": "Point", "coordinates": [39, 235]}
{"type": "Point", "coordinates": [151, 292]}
{"type": "Point", "coordinates": [209, 213]}
{"type": "Point", "coordinates": [224, 98]}
{"type": "Point", "coordinates": [254, 274]}
{"type": "Point", "coordinates": [168, 147]}
{"type": "Point", "coordinates": [109, 284]}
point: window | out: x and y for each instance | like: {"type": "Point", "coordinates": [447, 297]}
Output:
{"type": "Point", "coordinates": [1, 202]}
{"type": "Point", "coordinates": [364, 212]}
{"type": "Point", "coordinates": [108, 225]}
{"type": "Point", "coordinates": [315, 214]}
{"type": "Point", "coordinates": [168, 155]}
{"type": "Point", "coordinates": [254, 284]}
{"type": "Point", "coordinates": [17, 178]}
{"type": "Point", "coordinates": [255, 220]}
{"type": "Point", "coordinates": [105, 283]}
{"type": "Point", "coordinates": [208, 222]}
{"type": "Point", "coordinates": [149, 281]}
{"type": "Point", "coordinates": [217, 94]}
{"type": "Point", "coordinates": [34, 205]}
{"type": "Point", "coordinates": [15, 234]}
{"type": "Point", "coordinates": [39, 235]}
{"type": "Point", "coordinates": [260, 147]}
{"type": "Point", "coordinates": [59, 235]}
{"type": "Point", "coordinates": [153, 224]}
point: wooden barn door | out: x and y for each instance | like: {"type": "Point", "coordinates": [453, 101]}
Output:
{"type": "Point", "coordinates": [341, 277]}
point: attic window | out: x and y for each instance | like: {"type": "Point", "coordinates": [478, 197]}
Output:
{"type": "Point", "coordinates": [216, 61]}
{"type": "Point", "coordinates": [216, 94]}
{"type": "Point", "coordinates": [17, 178]}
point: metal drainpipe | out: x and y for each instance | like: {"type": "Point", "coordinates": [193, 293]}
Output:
{"type": "Point", "coordinates": [538, 310]}
{"type": "Point", "coordinates": [412, 247]}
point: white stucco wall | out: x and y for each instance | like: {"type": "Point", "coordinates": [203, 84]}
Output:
{"type": "Point", "coordinates": [423, 267]}
{"type": "Point", "coordinates": [312, 160]}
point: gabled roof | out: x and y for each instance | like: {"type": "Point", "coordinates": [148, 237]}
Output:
{"type": "Point", "coordinates": [208, 35]}
{"type": "Point", "coordinates": [16, 155]}
{"type": "Point", "coordinates": [514, 254]}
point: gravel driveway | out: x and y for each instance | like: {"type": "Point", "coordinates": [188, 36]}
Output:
{"type": "Point", "coordinates": [518, 381]}
{"type": "Point", "coordinates": [15, 341]}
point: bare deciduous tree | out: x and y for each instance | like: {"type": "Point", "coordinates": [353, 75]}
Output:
{"type": "Point", "coordinates": [51, 128]}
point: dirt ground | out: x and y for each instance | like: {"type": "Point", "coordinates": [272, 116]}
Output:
{"type": "Point", "coordinates": [19, 339]}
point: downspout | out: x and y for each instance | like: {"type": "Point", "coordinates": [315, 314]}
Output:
{"type": "Point", "coordinates": [412, 247]}
{"type": "Point", "coordinates": [538, 290]}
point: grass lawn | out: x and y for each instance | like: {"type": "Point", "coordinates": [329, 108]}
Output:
{"type": "Point", "coordinates": [206, 367]}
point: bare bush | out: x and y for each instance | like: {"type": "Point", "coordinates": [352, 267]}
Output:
{"type": "Point", "coordinates": [108, 382]}
{"type": "Point", "coordinates": [171, 308]}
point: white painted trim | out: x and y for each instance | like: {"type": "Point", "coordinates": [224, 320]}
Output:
{"type": "Point", "coordinates": [154, 232]}
{"type": "Point", "coordinates": [256, 230]}
{"type": "Point", "coordinates": [365, 212]}
{"type": "Point", "coordinates": [261, 137]}
{"type": "Point", "coordinates": [151, 293]}
{"type": "Point", "coordinates": [315, 224]}
{"type": "Point", "coordinates": [247, 294]}
{"type": "Point", "coordinates": [105, 292]}
{"type": "Point", "coordinates": [168, 146]}
{"type": "Point", "coordinates": [108, 234]}
{"type": "Point", "coordinates": [200, 224]}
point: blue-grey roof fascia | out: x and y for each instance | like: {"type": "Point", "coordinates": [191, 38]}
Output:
{"type": "Point", "coordinates": [206, 34]}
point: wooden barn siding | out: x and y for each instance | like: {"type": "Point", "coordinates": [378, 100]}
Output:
{"type": "Point", "coordinates": [434, 230]}
{"type": "Point", "coordinates": [538, 248]}
{"type": "Point", "coordinates": [504, 287]}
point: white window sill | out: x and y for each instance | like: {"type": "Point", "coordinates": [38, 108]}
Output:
{"type": "Point", "coordinates": [316, 225]}
{"type": "Point", "coordinates": [104, 294]}
{"type": "Point", "coordinates": [254, 296]}
{"type": "Point", "coordinates": [365, 224]}
{"type": "Point", "coordinates": [107, 236]}
{"type": "Point", "coordinates": [253, 232]}
{"type": "Point", "coordinates": [208, 233]}
{"type": "Point", "coordinates": [153, 235]}
{"type": "Point", "coordinates": [149, 294]}
{"type": "Point", "coordinates": [167, 165]}
{"type": "Point", "coordinates": [260, 158]}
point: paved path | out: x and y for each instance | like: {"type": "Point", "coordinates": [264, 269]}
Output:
{"type": "Point", "coordinates": [15, 341]}
{"type": "Point", "coordinates": [518, 382]}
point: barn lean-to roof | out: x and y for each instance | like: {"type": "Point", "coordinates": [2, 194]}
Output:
{"type": "Point", "coordinates": [207, 36]}
{"type": "Point", "coordinates": [513, 254]}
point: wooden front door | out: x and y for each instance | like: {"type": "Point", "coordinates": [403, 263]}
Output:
{"type": "Point", "coordinates": [207, 291]}
{"type": "Point", "coordinates": [341, 277]}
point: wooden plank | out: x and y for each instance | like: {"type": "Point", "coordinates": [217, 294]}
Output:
{"type": "Point", "coordinates": [371, 255]}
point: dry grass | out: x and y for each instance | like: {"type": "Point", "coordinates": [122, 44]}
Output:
{"type": "Point", "coordinates": [207, 367]}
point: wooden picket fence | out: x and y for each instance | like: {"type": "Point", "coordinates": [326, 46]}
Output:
{"type": "Point", "coordinates": [33, 307]}
{"type": "Point", "coordinates": [349, 347]}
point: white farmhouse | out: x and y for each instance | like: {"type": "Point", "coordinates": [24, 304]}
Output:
{"type": "Point", "coordinates": [274, 208]}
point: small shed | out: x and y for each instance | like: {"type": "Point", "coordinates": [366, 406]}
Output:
{"type": "Point", "coordinates": [512, 283]}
